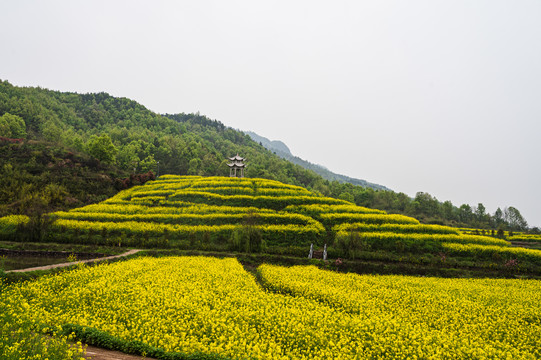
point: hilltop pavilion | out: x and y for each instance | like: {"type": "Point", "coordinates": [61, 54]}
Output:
{"type": "Point", "coordinates": [237, 163]}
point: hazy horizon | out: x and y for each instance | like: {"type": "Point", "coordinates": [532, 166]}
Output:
{"type": "Point", "coordinates": [433, 96]}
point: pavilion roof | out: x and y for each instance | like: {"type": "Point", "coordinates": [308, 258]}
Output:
{"type": "Point", "coordinates": [237, 158]}
{"type": "Point", "coordinates": [236, 164]}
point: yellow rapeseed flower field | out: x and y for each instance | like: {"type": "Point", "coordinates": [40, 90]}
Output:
{"type": "Point", "coordinates": [213, 306]}
{"type": "Point", "coordinates": [431, 317]}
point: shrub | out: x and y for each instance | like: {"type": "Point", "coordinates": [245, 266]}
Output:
{"type": "Point", "coordinates": [247, 238]}
{"type": "Point", "coordinates": [351, 244]}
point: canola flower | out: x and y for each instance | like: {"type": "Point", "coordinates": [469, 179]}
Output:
{"type": "Point", "coordinates": [10, 223]}
{"type": "Point", "coordinates": [489, 251]}
{"type": "Point", "coordinates": [190, 305]}
{"type": "Point", "coordinates": [217, 181]}
{"type": "Point", "coordinates": [177, 207]}
{"type": "Point", "coordinates": [178, 177]}
{"type": "Point", "coordinates": [525, 237]}
{"type": "Point", "coordinates": [20, 339]}
{"type": "Point", "coordinates": [214, 182]}
{"type": "Point", "coordinates": [189, 219]}
{"type": "Point", "coordinates": [246, 190]}
{"type": "Point", "coordinates": [152, 234]}
{"type": "Point", "coordinates": [213, 306]}
{"type": "Point", "coordinates": [265, 201]}
{"type": "Point", "coordinates": [440, 318]}
{"type": "Point", "coordinates": [156, 228]}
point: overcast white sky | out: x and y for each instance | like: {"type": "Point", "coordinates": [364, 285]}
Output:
{"type": "Point", "coordinates": [421, 95]}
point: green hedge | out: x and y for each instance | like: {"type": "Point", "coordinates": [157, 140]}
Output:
{"type": "Point", "coordinates": [170, 236]}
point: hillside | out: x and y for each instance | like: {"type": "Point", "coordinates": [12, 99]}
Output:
{"type": "Point", "coordinates": [282, 150]}
{"type": "Point", "coordinates": [127, 137]}
{"type": "Point", "coordinates": [39, 176]}
{"type": "Point", "coordinates": [259, 215]}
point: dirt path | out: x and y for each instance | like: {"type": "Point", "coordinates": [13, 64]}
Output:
{"type": "Point", "coordinates": [48, 267]}
{"type": "Point", "coordinates": [95, 353]}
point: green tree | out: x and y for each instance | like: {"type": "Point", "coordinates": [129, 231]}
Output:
{"type": "Point", "coordinates": [102, 148]}
{"type": "Point", "coordinates": [465, 213]}
{"type": "Point", "coordinates": [12, 126]}
{"type": "Point", "coordinates": [448, 210]}
{"type": "Point", "coordinates": [5, 130]}
{"type": "Point", "coordinates": [515, 219]}
{"type": "Point", "coordinates": [480, 212]}
{"type": "Point", "coordinates": [346, 196]}
{"type": "Point", "coordinates": [498, 217]}
{"type": "Point", "coordinates": [194, 166]}
{"type": "Point", "coordinates": [428, 204]}
{"type": "Point", "coordinates": [148, 164]}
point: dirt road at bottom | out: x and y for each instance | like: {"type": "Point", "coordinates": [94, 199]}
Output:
{"type": "Point", "coordinates": [95, 353]}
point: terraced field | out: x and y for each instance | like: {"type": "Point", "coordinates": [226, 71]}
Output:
{"type": "Point", "coordinates": [222, 213]}
{"type": "Point", "coordinates": [178, 211]}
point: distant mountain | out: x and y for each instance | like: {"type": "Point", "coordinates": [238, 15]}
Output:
{"type": "Point", "coordinates": [281, 149]}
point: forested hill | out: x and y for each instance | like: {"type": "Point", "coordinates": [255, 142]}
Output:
{"type": "Point", "coordinates": [281, 149]}
{"type": "Point", "coordinates": [127, 137]}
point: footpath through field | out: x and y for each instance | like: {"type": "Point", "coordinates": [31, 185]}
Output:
{"type": "Point", "coordinates": [48, 267]}
{"type": "Point", "coordinates": [95, 353]}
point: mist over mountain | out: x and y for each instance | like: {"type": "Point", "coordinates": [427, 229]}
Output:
{"type": "Point", "coordinates": [282, 150]}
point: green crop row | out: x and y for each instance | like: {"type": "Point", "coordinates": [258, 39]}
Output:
{"type": "Point", "coordinates": [148, 200]}
{"type": "Point", "coordinates": [492, 252]}
{"type": "Point", "coordinates": [396, 228]}
{"type": "Point", "coordinates": [153, 193]}
{"type": "Point", "coordinates": [408, 242]}
{"type": "Point", "coordinates": [331, 219]}
{"type": "Point", "coordinates": [469, 231]}
{"type": "Point", "coordinates": [317, 209]}
{"type": "Point", "coordinates": [167, 185]}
